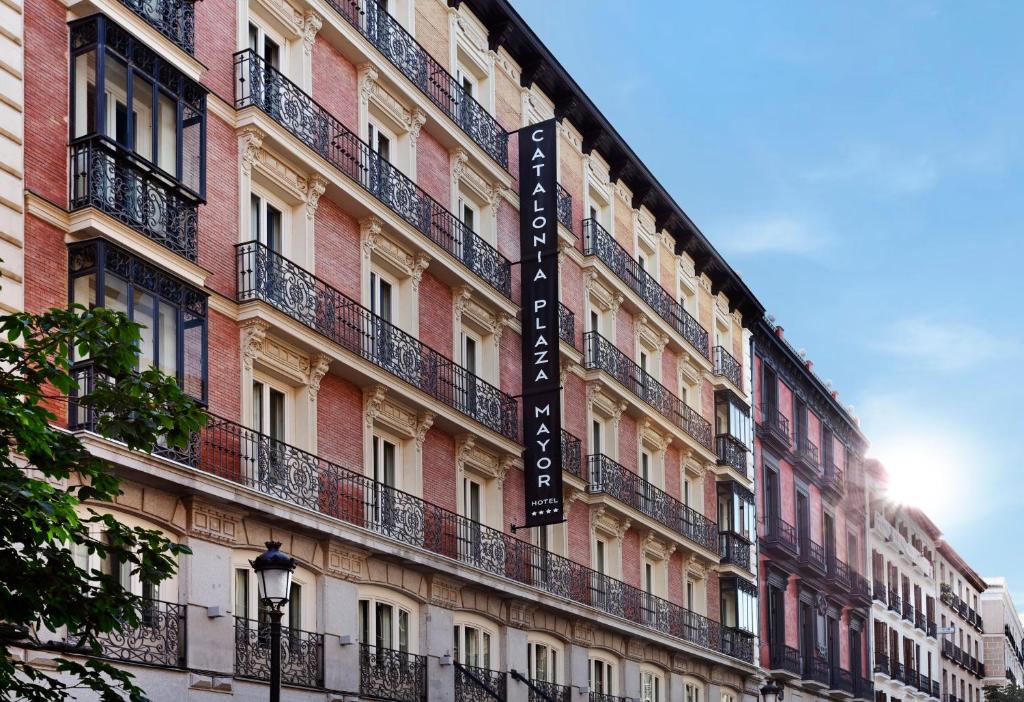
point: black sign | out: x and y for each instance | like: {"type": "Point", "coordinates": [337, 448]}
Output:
{"type": "Point", "coordinates": [538, 241]}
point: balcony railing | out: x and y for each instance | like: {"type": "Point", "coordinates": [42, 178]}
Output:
{"type": "Point", "coordinates": [908, 611]}
{"type": "Point", "coordinates": [262, 86]}
{"type": "Point", "coordinates": [882, 663]}
{"type": "Point", "coordinates": [833, 477]}
{"type": "Point", "coordinates": [403, 51]}
{"type": "Point", "coordinates": [879, 592]}
{"type": "Point", "coordinates": [859, 587]}
{"type": "Point", "coordinates": [786, 658]}
{"type": "Point", "coordinates": [812, 555]}
{"type": "Point", "coordinates": [734, 549]}
{"type": "Point", "coordinates": [897, 671]}
{"type": "Point", "coordinates": [265, 275]}
{"type": "Point", "coordinates": [604, 355]}
{"type": "Point", "coordinates": [921, 621]}
{"type": "Point", "coordinates": [737, 644]}
{"type": "Point", "coordinates": [605, 697]}
{"type": "Point", "coordinates": [273, 468]}
{"type": "Point", "coordinates": [567, 325]}
{"type": "Point", "coordinates": [302, 653]}
{"type": "Point", "coordinates": [958, 605]}
{"type": "Point", "coordinates": [597, 241]}
{"type": "Point", "coordinates": [387, 674]}
{"type": "Point", "coordinates": [609, 477]}
{"type": "Point", "coordinates": [564, 207]}
{"type": "Point", "coordinates": [936, 691]}
{"type": "Point", "coordinates": [543, 691]}
{"type": "Point", "coordinates": [807, 452]}
{"type": "Point", "coordinates": [781, 534]}
{"type": "Point", "coordinates": [775, 425]}
{"type": "Point", "coordinates": [135, 193]}
{"type": "Point", "coordinates": [731, 452]}
{"type": "Point", "coordinates": [159, 638]}
{"type": "Point", "coordinates": [863, 689]}
{"type": "Point", "coordinates": [838, 573]}
{"type": "Point", "coordinates": [474, 684]}
{"type": "Point", "coordinates": [175, 19]}
{"type": "Point", "coordinates": [572, 455]}
{"type": "Point", "coordinates": [895, 603]}
{"type": "Point", "coordinates": [816, 669]}
{"type": "Point", "coordinates": [727, 366]}
{"type": "Point", "coordinates": [842, 680]}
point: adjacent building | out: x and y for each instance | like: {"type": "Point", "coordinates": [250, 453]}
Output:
{"type": "Point", "coordinates": [1003, 636]}
{"type": "Point", "coordinates": [960, 590]}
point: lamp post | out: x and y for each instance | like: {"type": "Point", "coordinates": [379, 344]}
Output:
{"type": "Point", "coordinates": [772, 691]}
{"type": "Point", "coordinates": [274, 574]}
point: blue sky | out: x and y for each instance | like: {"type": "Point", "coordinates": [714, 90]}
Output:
{"type": "Point", "coordinates": [861, 164]}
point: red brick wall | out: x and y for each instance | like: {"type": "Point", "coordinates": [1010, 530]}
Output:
{"type": "Point", "coordinates": [340, 422]}
{"type": "Point", "coordinates": [215, 43]}
{"type": "Point", "coordinates": [628, 447]}
{"type": "Point", "coordinates": [224, 369]}
{"type": "Point", "coordinates": [46, 103]}
{"type": "Point", "coordinates": [336, 84]}
{"type": "Point", "coordinates": [436, 316]}
{"type": "Point", "coordinates": [579, 534]}
{"type": "Point", "coordinates": [632, 559]}
{"type": "Point", "coordinates": [218, 218]}
{"type": "Point", "coordinates": [439, 470]}
{"type": "Point", "coordinates": [337, 249]}
{"type": "Point", "coordinates": [433, 168]}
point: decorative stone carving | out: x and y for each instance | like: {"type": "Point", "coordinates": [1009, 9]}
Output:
{"type": "Point", "coordinates": [250, 141]}
{"type": "Point", "coordinates": [420, 263]}
{"type": "Point", "coordinates": [459, 160]}
{"type": "Point", "coordinates": [423, 424]}
{"type": "Point", "coordinates": [213, 524]}
{"type": "Point", "coordinates": [366, 78]}
{"type": "Point", "coordinates": [346, 562]}
{"type": "Point", "coordinates": [582, 633]}
{"type": "Point", "coordinates": [520, 615]}
{"type": "Point", "coordinates": [318, 368]}
{"type": "Point", "coordinates": [315, 187]}
{"type": "Point", "coordinates": [254, 332]}
{"type": "Point", "coordinates": [311, 24]}
{"type": "Point", "coordinates": [373, 404]}
{"type": "Point", "coordinates": [444, 592]}
{"type": "Point", "coordinates": [416, 121]}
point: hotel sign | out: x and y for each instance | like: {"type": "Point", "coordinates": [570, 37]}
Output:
{"type": "Point", "coordinates": [538, 241]}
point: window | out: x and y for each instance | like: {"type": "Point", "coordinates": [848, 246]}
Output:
{"type": "Point", "coordinates": [738, 604]}
{"type": "Point", "coordinates": [268, 411]}
{"type": "Point", "coordinates": [384, 625]}
{"type": "Point", "coordinates": [596, 436]}
{"type": "Point", "coordinates": [542, 660]}
{"type": "Point", "coordinates": [266, 47]}
{"type": "Point", "coordinates": [650, 686]}
{"type": "Point", "coordinates": [472, 646]}
{"type": "Point", "coordinates": [601, 677]}
{"type": "Point", "coordinates": [471, 353]}
{"type": "Point", "coordinates": [380, 141]}
{"type": "Point", "coordinates": [692, 692]}
{"type": "Point", "coordinates": [600, 556]}
{"type": "Point", "coordinates": [267, 223]}
{"type": "Point", "coordinates": [384, 462]}
{"type": "Point", "coordinates": [467, 213]}
{"type": "Point", "coordinates": [248, 606]}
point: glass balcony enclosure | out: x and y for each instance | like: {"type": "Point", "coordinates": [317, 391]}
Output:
{"type": "Point", "coordinates": [739, 604]}
{"type": "Point", "coordinates": [736, 510]}
{"type": "Point", "coordinates": [732, 418]}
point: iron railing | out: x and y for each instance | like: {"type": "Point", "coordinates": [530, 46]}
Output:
{"type": "Point", "coordinates": [135, 193]}
{"type": "Point", "coordinates": [734, 549]}
{"type": "Point", "coordinates": [731, 452]}
{"type": "Point", "coordinates": [727, 366]}
{"type": "Point", "coordinates": [895, 603]}
{"type": "Point", "coordinates": [273, 468]}
{"type": "Point", "coordinates": [882, 663]}
{"type": "Point", "coordinates": [833, 477]}
{"type": "Point", "coordinates": [838, 572]}
{"type": "Point", "coordinates": [387, 674]}
{"type": "Point", "coordinates": [897, 671]}
{"type": "Point", "coordinates": [604, 355]}
{"type": "Point", "coordinates": [605, 697]}
{"type": "Point", "coordinates": [782, 657]}
{"type": "Point", "coordinates": [158, 639]}
{"type": "Point", "coordinates": [403, 51]}
{"type": "Point", "coordinates": [737, 644]}
{"type": "Point", "coordinates": [908, 610]}
{"type": "Point", "coordinates": [260, 85]}
{"type": "Point", "coordinates": [781, 534]}
{"type": "Point", "coordinates": [264, 274]}
{"type": "Point", "coordinates": [863, 689]}
{"type": "Point", "coordinates": [775, 425]}
{"type": "Point", "coordinates": [543, 691]}
{"type": "Point", "coordinates": [302, 653]}
{"type": "Point", "coordinates": [564, 207]}
{"type": "Point", "coordinates": [842, 680]}
{"type": "Point", "coordinates": [567, 325]}
{"type": "Point", "coordinates": [611, 478]}
{"type": "Point", "coordinates": [816, 669]}
{"type": "Point", "coordinates": [859, 587]}
{"type": "Point", "coordinates": [572, 455]}
{"type": "Point", "coordinates": [812, 555]}
{"type": "Point", "coordinates": [474, 684]}
{"type": "Point", "coordinates": [175, 19]}
{"type": "Point", "coordinates": [597, 241]}
{"type": "Point", "coordinates": [879, 592]}
{"type": "Point", "coordinates": [807, 452]}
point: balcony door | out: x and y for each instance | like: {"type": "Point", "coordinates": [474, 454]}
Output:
{"type": "Point", "coordinates": [772, 502]}
{"type": "Point", "coordinates": [268, 450]}
{"type": "Point", "coordinates": [380, 142]}
{"type": "Point", "coordinates": [471, 361]}
{"type": "Point", "coordinates": [384, 626]}
{"type": "Point", "coordinates": [470, 530]}
{"type": "Point", "coordinates": [382, 330]}
{"type": "Point", "coordinates": [829, 534]}
{"type": "Point", "coordinates": [265, 80]}
{"type": "Point", "coordinates": [383, 499]}
{"type": "Point", "coordinates": [803, 521]}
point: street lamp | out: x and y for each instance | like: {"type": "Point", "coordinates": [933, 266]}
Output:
{"type": "Point", "coordinates": [772, 691]}
{"type": "Point", "coordinates": [274, 574]}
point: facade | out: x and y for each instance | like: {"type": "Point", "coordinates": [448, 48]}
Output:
{"type": "Point", "coordinates": [959, 590]}
{"type": "Point", "coordinates": [902, 543]}
{"type": "Point", "coordinates": [814, 597]}
{"type": "Point", "coordinates": [311, 207]}
{"type": "Point", "coordinates": [1003, 635]}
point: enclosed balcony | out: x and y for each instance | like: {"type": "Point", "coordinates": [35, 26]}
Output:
{"type": "Point", "coordinates": [726, 366]}
{"type": "Point", "coordinates": [267, 276]}
{"type": "Point", "coordinates": [259, 85]}
{"type": "Point", "coordinates": [401, 49]}
{"type": "Point", "coordinates": [175, 19]}
{"type": "Point", "coordinates": [603, 355]}
{"type": "Point", "coordinates": [736, 524]}
{"type": "Point", "coordinates": [734, 550]}
{"type": "Point", "coordinates": [608, 477]}
{"type": "Point", "coordinates": [302, 653]}
{"type": "Point", "coordinates": [473, 684]}
{"type": "Point", "coordinates": [732, 431]}
{"type": "Point", "coordinates": [598, 241]}
{"type": "Point", "coordinates": [388, 674]}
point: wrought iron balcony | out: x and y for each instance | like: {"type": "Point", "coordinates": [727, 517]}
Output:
{"type": "Point", "coordinates": [935, 691]}
{"type": "Point", "coordinates": [135, 193]}
{"type": "Point", "coordinates": [841, 680]}
{"type": "Point", "coordinates": [924, 683]}
{"type": "Point", "coordinates": [302, 653]}
{"type": "Point", "coordinates": [158, 639]}
{"type": "Point", "coordinates": [780, 536]}
{"type": "Point", "coordinates": [863, 689]}
{"type": "Point", "coordinates": [921, 621]}
{"type": "Point", "coordinates": [807, 453]}
{"type": "Point", "coordinates": [564, 207]}
{"type": "Point", "coordinates": [403, 51]}
{"type": "Point", "coordinates": [727, 366]}
{"type": "Point", "coordinates": [879, 592]}
{"type": "Point", "coordinates": [812, 555]}
{"type": "Point", "coordinates": [597, 241]}
{"type": "Point", "coordinates": [543, 691]}
{"type": "Point", "coordinates": [784, 658]}
{"type": "Point", "coordinates": [882, 663]}
{"type": "Point", "coordinates": [731, 452]}
{"type": "Point", "coordinates": [387, 674]}
{"type": "Point", "coordinates": [604, 355]}
{"type": "Point", "coordinates": [859, 588]}
{"type": "Point", "coordinates": [897, 671]}
{"type": "Point", "coordinates": [834, 478]}
{"type": "Point", "coordinates": [838, 573]}
{"type": "Point", "coordinates": [774, 427]}
{"type": "Point", "coordinates": [910, 676]}
{"type": "Point", "coordinates": [908, 611]}
{"type": "Point", "coordinates": [611, 478]}
{"type": "Point", "coordinates": [734, 549]}
{"type": "Point", "coordinates": [604, 697]}
{"type": "Point", "coordinates": [265, 275]}
{"type": "Point", "coordinates": [474, 684]}
{"type": "Point", "coordinates": [816, 670]}
{"type": "Point", "coordinates": [738, 644]}
{"type": "Point", "coordinates": [572, 455]}
{"type": "Point", "coordinates": [175, 19]}
{"type": "Point", "coordinates": [567, 325]}
{"type": "Point", "coordinates": [895, 603]}
{"type": "Point", "coordinates": [931, 629]}
{"type": "Point", "coordinates": [259, 85]}
{"type": "Point", "coordinates": [273, 468]}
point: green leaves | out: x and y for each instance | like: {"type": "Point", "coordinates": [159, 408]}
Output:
{"type": "Point", "coordinates": [46, 474]}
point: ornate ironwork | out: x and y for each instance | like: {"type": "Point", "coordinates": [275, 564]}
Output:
{"type": "Point", "coordinates": [842, 680]}
{"type": "Point", "coordinates": [731, 452]}
{"type": "Point", "coordinates": [230, 451]}
{"type": "Point", "coordinates": [604, 697]}
{"type": "Point", "coordinates": [611, 478]}
{"type": "Point", "coordinates": [812, 555]}
{"type": "Point", "coordinates": [838, 572]}
{"type": "Point", "coordinates": [259, 85]}
{"type": "Point", "coordinates": [564, 207]}
{"type": "Point", "coordinates": [864, 689]}
{"type": "Point", "coordinates": [834, 478]}
{"type": "Point", "coordinates": [774, 425]}
{"type": "Point", "coordinates": [816, 669]}
{"type": "Point", "coordinates": [882, 662]}
{"type": "Point", "coordinates": [782, 657]}
{"type": "Point", "coordinates": [895, 603]}
{"type": "Point", "coordinates": [567, 325]}
{"type": "Point", "coordinates": [908, 611]}
{"type": "Point", "coordinates": [387, 674]}
{"type": "Point", "coordinates": [400, 48]}
{"type": "Point", "coordinates": [572, 455]}
{"type": "Point", "coordinates": [604, 355]}
{"type": "Point", "coordinates": [175, 19]}
{"type": "Point", "coordinates": [302, 653]}
{"type": "Point", "coordinates": [109, 178]}
{"type": "Point", "coordinates": [734, 549]}
{"type": "Point", "coordinates": [738, 644]}
{"type": "Point", "coordinates": [597, 241]}
{"type": "Point", "coordinates": [158, 639]}
{"type": "Point", "coordinates": [474, 684]}
{"type": "Point", "coordinates": [543, 691]}
{"type": "Point", "coordinates": [264, 274]}
{"type": "Point", "coordinates": [727, 366]}
{"type": "Point", "coordinates": [807, 452]}
{"type": "Point", "coordinates": [781, 535]}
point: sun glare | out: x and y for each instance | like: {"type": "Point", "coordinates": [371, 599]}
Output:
{"type": "Point", "coordinates": [922, 472]}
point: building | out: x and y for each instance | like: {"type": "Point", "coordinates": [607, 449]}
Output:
{"type": "Point", "coordinates": [814, 597]}
{"type": "Point", "coordinates": [1003, 636]}
{"type": "Point", "coordinates": [963, 657]}
{"type": "Point", "coordinates": [313, 207]}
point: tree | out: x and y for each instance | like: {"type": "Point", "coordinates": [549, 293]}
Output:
{"type": "Point", "coordinates": [46, 477]}
{"type": "Point", "coordinates": [1006, 693]}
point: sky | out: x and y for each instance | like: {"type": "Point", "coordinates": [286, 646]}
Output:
{"type": "Point", "coordinates": [861, 165]}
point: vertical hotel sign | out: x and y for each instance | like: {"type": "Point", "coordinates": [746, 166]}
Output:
{"type": "Point", "coordinates": [538, 241]}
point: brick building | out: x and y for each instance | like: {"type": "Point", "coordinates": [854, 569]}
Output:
{"type": "Point", "coordinates": [312, 206]}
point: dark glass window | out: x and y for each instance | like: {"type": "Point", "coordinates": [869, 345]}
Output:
{"type": "Point", "coordinates": [739, 604]}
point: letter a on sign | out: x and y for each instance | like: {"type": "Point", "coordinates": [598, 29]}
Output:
{"type": "Point", "coordinates": [538, 241]}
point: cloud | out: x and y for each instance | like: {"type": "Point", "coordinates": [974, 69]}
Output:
{"type": "Point", "coordinates": [940, 344]}
{"type": "Point", "coordinates": [779, 234]}
{"type": "Point", "coordinates": [888, 171]}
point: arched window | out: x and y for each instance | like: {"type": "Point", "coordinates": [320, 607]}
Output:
{"type": "Point", "coordinates": [652, 685]}
{"type": "Point", "coordinates": [387, 620]}
{"type": "Point", "coordinates": [474, 641]}
{"type": "Point", "coordinates": [602, 674]}
{"type": "Point", "coordinates": [544, 658]}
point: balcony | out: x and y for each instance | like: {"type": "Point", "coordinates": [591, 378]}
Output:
{"type": "Point", "coordinates": [924, 684]}
{"type": "Point", "coordinates": [882, 663]}
{"type": "Point", "coordinates": [275, 469]}
{"type": "Point", "coordinates": [879, 592]}
{"type": "Point", "coordinates": [841, 683]}
{"type": "Point", "coordinates": [833, 478]}
{"type": "Point", "coordinates": [263, 87]}
{"type": "Point", "coordinates": [807, 453]}
{"type": "Point", "coordinates": [780, 537]}
{"type": "Point", "coordinates": [267, 276]}
{"type": "Point", "coordinates": [812, 557]}
{"type": "Point", "coordinates": [611, 478]}
{"type": "Point", "coordinates": [175, 19]}
{"type": "Point", "coordinates": [911, 677]}
{"type": "Point", "coordinates": [908, 611]}
{"type": "Point", "coordinates": [387, 674]}
{"type": "Point", "coordinates": [738, 644]}
{"type": "Point", "coordinates": [816, 673]}
{"type": "Point", "coordinates": [726, 366]}
{"type": "Point", "coordinates": [603, 697]}
{"type": "Point", "coordinates": [567, 325]}
{"type": "Point", "coordinates": [302, 654]}
{"type": "Point", "coordinates": [731, 452]}
{"type": "Point", "coordinates": [897, 671]}
{"type": "Point", "coordinates": [597, 241]}
{"type": "Point", "coordinates": [838, 574]}
{"type": "Point", "coordinates": [784, 662]}
{"type": "Point", "coordinates": [602, 355]}
{"type": "Point", "coordinates": [135, 193]}
{"type": "Point", "coordinates": [859, 589]}
{"type": "Point", "coordinates": [373, 21]}
{"type": "Point", "coordinates": [863, 689]}
{"type": "Point", "coordinates": [158, 639]}
{"type": "Point", "coordinates": [734, 550]}
{"type": "Point", "coordinates": [564, 207]}
{"type": "Point", "coordinates": [774, 427]}
{"type": "Point", "coordinates": [474, 684]}
{"type": "Point", "coordinates": [895, 603]}
{"type": "Point", "coordinates": [572, 455]}
{"type": "Point", "coordinates": [543, 691]}
{"type": "Point", "coordinates": [921, 621]}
